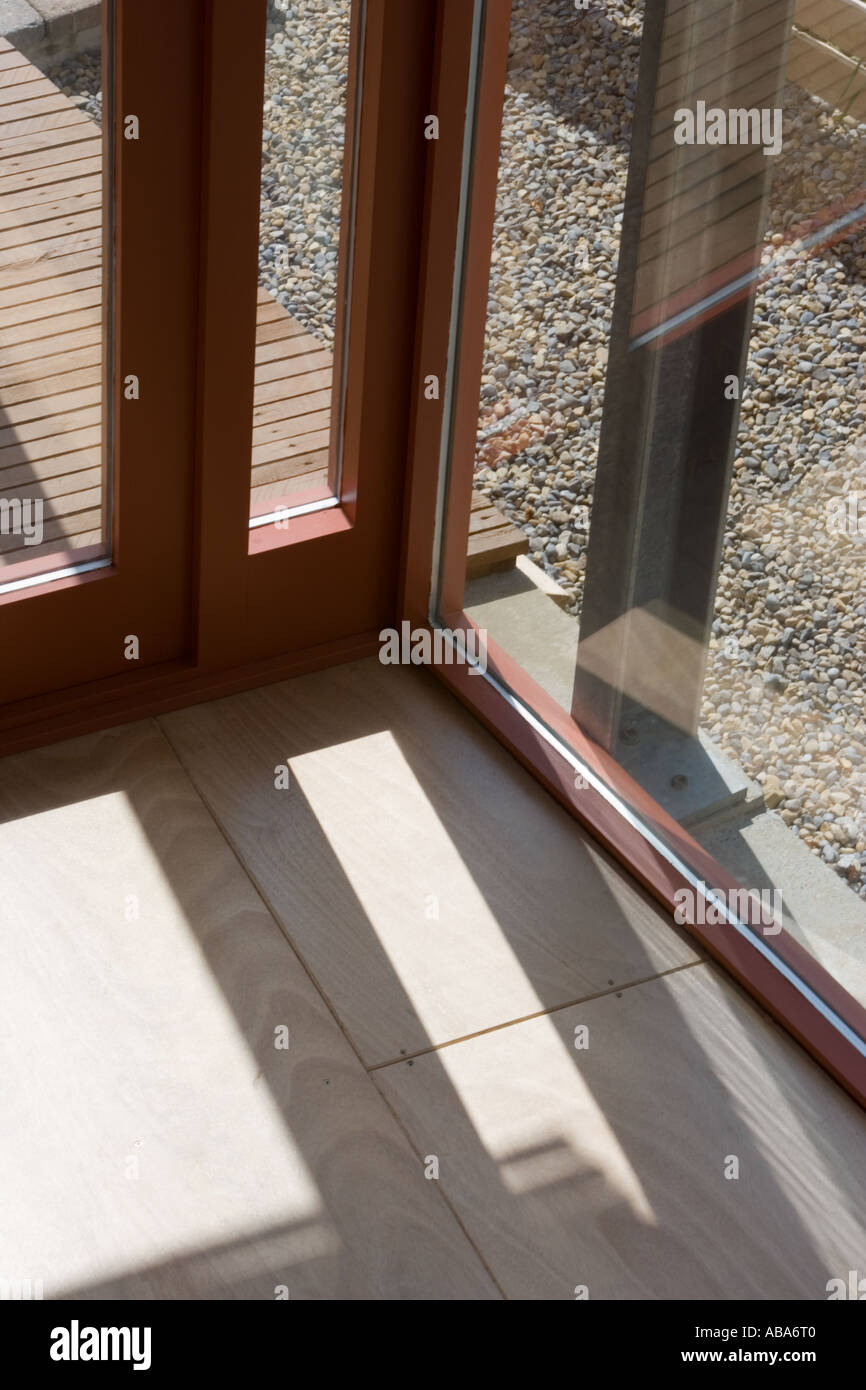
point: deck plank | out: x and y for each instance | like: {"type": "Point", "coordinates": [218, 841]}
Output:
{"type": "Point", "coordinates": [53, 427]}
{"type": "Point", "coordinates": [43, 133]}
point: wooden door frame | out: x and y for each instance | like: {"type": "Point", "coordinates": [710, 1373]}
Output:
{"type": "Point", "coordinates": [259, 613]}
{"type": "Point", "coordinates": [518, 712]}
{"type": "Point", "coordinates": [63, 631]}
{"type": "Point", "coordinates": [333, 574]}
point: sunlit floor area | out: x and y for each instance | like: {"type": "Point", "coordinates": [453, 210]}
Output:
{"type": "Point", "coordinates": [312, 992]}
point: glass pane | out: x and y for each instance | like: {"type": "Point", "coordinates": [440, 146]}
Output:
{"type": "Point", "coordinates": [303, 158]}
{"type": "Point", "coordinates": [669, 516]}
{"type": "Point", "coordinates": [566, 137]}
{"type": "Point", "coordinates": [53, 493]}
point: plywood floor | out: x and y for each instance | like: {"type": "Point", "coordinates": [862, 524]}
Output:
{"type": "Point", "coordinates": [431, 934]}
{"type": "Point", "coordinates": [51, 310]}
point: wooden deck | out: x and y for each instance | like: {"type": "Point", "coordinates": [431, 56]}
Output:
{"type": "Point", "coordinates": [51, 341]}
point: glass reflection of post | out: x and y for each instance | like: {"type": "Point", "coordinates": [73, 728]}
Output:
{"type": "Point", "coordinates": [693, 225]}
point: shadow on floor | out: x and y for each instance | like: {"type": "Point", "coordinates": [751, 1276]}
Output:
{"type": "Point", "coordinates": [715, 1253]}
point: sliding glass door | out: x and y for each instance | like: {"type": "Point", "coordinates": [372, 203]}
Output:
{"type": "Point", "coordinates": [649, 454]}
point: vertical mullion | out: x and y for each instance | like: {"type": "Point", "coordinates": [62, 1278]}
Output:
{"type": "Point", "coordinates": [436, 524]}
{"type": "Point", "coordinates": [156, 228]}
{"type": "Point", "coordinates": [232, 161]}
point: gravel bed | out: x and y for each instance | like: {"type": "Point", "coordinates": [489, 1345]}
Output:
{"type": "Point", "coordinates": [302, 164]}
{"type": "Point", "coordinates": [785, 692]}
{"type": "Point", "coordinates": [80, 79]}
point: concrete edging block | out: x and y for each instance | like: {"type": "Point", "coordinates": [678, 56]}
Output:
{"type": "Point", "coordinates": [51, 30]}
{"type": "Point", "coordinates": [21, 24]}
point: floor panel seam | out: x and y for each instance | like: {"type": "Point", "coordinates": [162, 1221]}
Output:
{"type": "Point", "coordinates": [539, 1013]}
